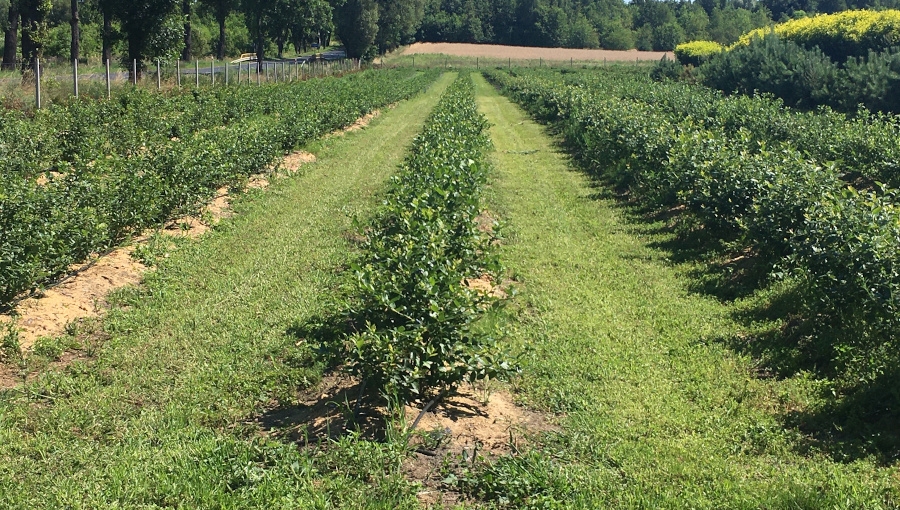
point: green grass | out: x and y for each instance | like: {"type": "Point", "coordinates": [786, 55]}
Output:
{"type": "Point", "coordinates": [656, 411]}
{"type": "Point", "coordinates": [163, 416]}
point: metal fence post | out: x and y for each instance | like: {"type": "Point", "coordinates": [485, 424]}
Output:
{"type": "Point", "coordinates": [212, 72]}
{"type": "Point", "coordinates": [226, 73]}
{"type": "Point", "coordinates": [37, 83]}
{"type": "Point", "coordinates": [178, 72]}
{"type": "Point", "coordinates": [75, 76]}
{"type": "Point", "coordinates": [134, 72]}
{"type": "Point", "coordinates": [197, 73]}
{"type": "Point", "coordinates": [108, 84]}
{"type": "Point", "coordinates": [158, 75]}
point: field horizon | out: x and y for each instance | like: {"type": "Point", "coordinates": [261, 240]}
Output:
{"type": "Point", "coordinates": [529, 53]}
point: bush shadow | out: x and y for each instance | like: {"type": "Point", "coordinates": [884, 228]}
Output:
{"type": "Point", "coordinates": [864, 423]}
{"type": "Point", "coordinates": [721, 267]}
{"type": "Point", "coordinates": [339, 404]}
{"type": "Point", "coordinates": [334, 408]}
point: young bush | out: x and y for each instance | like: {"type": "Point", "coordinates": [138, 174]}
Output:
{"type": "Point", "coordinates": [849, 244]}
{"type": "Point", "coordinates": [421, 335]}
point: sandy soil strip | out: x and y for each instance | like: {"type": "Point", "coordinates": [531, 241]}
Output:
{"type": "Point", "coordinates": [524, 52]}
{"type": "Point", "coordinates": [83, 295]}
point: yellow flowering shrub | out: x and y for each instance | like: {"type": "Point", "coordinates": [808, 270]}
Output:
{"type": "Point", "coordinates": [697, 52]}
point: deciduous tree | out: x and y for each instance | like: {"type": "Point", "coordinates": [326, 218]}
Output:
{"type": "Point", "coordinates": [11, 37]}
{"type": "Point", "coordinates": [188, 46]}
{"type": "Point", "coordinates": [151, 28]}
{"type": "Point", "coordinates": [75, 22]}
{"type": "Point", "coordinates": [220, 10]}
{"type": "Point", "coordinates": [356, 22]}
{"type": "Point", "coordinates": [398, 22]}
{"type": "Point", "coordinates": [34, 29]}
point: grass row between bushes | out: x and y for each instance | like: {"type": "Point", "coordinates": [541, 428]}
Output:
{"type": "Point", "coordinates": [789, 217]}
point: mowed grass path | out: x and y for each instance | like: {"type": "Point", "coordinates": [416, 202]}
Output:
{"type": "Point", "coordinates": [163, 417]}
{"type": "Point", "coordinates": [655, 412]}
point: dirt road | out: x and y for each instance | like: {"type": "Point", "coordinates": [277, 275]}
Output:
{"type": "Point", "coordinates": [524, 52]}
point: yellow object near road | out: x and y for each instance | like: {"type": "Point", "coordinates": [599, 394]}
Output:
{"type": "Point", "coordinates": [245, 57]}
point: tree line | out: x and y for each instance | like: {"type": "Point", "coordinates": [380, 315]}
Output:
{"type": "Point", "coordinates": [146, 30]}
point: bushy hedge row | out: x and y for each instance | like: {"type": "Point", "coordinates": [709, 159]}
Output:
{"type": "Point", "coordinates": [81, 178]}
{"type": "Point", "coordinates": [672, 147]}
{"type": "Point", "coordinates": [421, 250]}
{"type": "Point", "coordinates": [865, 148]}
{"type": "Point", "coordinates": [806, 77]}
{"type": "Point", "coordinates": [838, 60]}
{"type": "Point", "coordinates": [846, 34]}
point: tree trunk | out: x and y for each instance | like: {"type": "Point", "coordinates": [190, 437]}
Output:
{"type": "Point", "coordinates": [30, 48]}
{"type": "Point", "coordinates": [11, 41]}
{"type": "Point", "coordinates": [134, 48]}
{"type": "Point", "coordinates": [280, 47]}
{"type": "Point", "coordinates": [221, 49]}
{"type": "Point", "coordinates": [106, 36]}
{"type": "Point", "coordinates": [186, 11]}
{"type": "Point", "coordinates": [260, 51]}
{"type": "Point", "coordinates": [260, 41]}
{"type": "Point", "coordinates": [75, 51]}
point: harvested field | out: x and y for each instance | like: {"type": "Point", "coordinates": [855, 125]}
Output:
{"type": "Point", "coordinates": [529, 53]}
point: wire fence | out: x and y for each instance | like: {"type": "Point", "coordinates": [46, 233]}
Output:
{"type": "Point", "coordinates": [51, 82]}
{"type": "Point", "coordinates": [57, 83]}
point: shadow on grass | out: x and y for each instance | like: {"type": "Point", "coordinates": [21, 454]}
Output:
{"type": "Point", "coordinates": [721, 267]}
{"type": "Point", "coordinates": [339, 403]}
{"type": "Point", "coordinates": [790, 344]}
{"type": "Point", "coordinates": [864, 423]}
{"type": "Point", "coordinates": [329, 412]}
{"type": "Point", "coordinates": [849, 420]}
